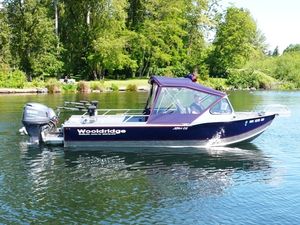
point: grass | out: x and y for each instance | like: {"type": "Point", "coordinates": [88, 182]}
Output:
{"type": "Point", "coordinates": [84, 86]}
{"type": "Point", "coordinates": [126, 83]}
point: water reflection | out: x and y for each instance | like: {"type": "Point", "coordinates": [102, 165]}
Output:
{"type": "Point", "coordinates": [166, 173]}
{"type": "Point", "coordinates": [132, 184]}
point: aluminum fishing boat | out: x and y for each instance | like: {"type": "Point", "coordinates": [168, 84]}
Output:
{"type": "Point", "coordinates": [178, 113]}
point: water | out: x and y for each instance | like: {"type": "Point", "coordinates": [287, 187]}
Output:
{"type": "Point", "coordinates": [256, 183]}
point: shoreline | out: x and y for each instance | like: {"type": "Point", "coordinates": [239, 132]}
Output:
{"type": "Point", "coordinates": [23, 90]}
{"type": "Point", "coordinates": [45, 90]}
{"type": "Point", "coordinates": [140, 88]}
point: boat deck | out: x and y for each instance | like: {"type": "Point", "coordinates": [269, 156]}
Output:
{"type": "Point", "coordinates": [77, 120]}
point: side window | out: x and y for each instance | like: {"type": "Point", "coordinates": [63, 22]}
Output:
{"type": "Point", "coordinates": [222, 107]}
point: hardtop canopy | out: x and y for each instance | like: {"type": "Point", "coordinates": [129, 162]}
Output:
{"type": "Point", "coordinates": [183, 82]}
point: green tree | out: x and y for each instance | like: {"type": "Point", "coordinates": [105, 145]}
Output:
{"type": "Point", "coordinates": [136, 14]}
{"type": "Point", "coordinates": [260, 45]}
{"type": "Point", "coordinates": [287, 68]}
{"type": "Point", "coordinates": [158, 46]}
{"type": "Point", "coordinates": [276, 51]}
{"type": "Point", "coordinates": [292, 48]}
{"type": "Point", "coordinates": [5, 33]}
{"type": "Point", "coordinates": [74, 33]}
{"type": "Point", "coordinates": [202, 17]}
{"type": "Point", "coordinates": [110, 37]}
{"type": "Point", "coordinates": [34, 43]}
{"type": "Point", "coordinates": [234, 42]}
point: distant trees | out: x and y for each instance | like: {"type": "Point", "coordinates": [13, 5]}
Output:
{"type": "Point", "coordinates": [33, 42]}
{"type": "Point", "coordinates": [276, 51]}
{"type": "Point", "coordinates": [160, 43]}
{"type": "Point", "coordinates": [125, 38]}
{"type": "Point", "coordinates": [5, 41]}
{"type": "Point", "coordinates": [74, 35]}
{"type": "Point", "coordinates": [234, 42]}
{"type": "Point", "coordinates": [292, 48]}
{"type": "Point", "coordinates": [110, 44]}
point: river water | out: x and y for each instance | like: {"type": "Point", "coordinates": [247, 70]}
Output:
{"type": "Point", "coordinates": [256, 183]}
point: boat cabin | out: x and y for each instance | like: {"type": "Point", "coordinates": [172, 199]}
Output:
{"type": "Point", "coordinates": [179, 100]}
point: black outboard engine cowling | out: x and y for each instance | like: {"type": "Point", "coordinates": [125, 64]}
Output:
{"type": "Point", "coordinates": [36, 118]}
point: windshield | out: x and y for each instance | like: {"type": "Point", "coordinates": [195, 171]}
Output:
{"type": "Point", "coordinates": [182, 101]}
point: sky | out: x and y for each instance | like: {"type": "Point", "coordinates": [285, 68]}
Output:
{"type": "Point", "coordinates": [278, 20]}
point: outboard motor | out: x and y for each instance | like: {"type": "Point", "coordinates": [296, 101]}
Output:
{"type": "Point", "coordinates": [37, 118]}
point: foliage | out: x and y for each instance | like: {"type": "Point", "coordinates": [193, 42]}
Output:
{"type": "Point", "coordinates": [292, 48]}
{"type": "Point", "coordinates": [110, 55]}
{"type": "Point", "coordinates": [36, 82]}
{"type": "Point", "coordinates": [69, 88]}
{"type": "Point", "coordinates": [33, 44]}
{"type": "Point", "coordinates": [121, 39]}
{"type": "Point", "coordinates": [287, 86]}
{"type": "Point", "coordinates": [288, 68]}
{"type": "Point", "coordinates": [97, 85]}
{"type": "Point", "coordinates": [169, 39]}
{"type": "Point", "coordinates": [74, 36]}
{"type": "Point", "coordinates": [114, 87]}
{"type": "Point", "coordinates": [5, 42]}
{"type": "Point", "coordinates": [276, 51]}
{"type": "Point", "coordinates": [234, 42]}
{"type": "Point", "coordinates": [202, 18]}
{"type": "Point", "coordinates": [53, 85]}
{"type": "Point", "coordinates": [83, 87]}
{"type": "Point", "coordinates": [215, 83]}
{"type": "Point", "coordinates": [285, 69]}
{"type": "Point", "coordinates": [260, 45]}
{"type": "Point", "coordinates": [131, 87]}
{"type": "Point", "coordinates": [124, 83]}
{"type": "Point", "coordinates": [243, 79]}
{"type": "Point", "coordinates": [12, 79]}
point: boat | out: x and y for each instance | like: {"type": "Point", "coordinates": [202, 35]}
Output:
{"type": "Point", "coordinates": [178, 113]}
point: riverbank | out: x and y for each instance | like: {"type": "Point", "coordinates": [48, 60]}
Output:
{"type": "Point", "coordinates": [88, 87]}
{"type": "Point", "coordinates": [22, 90]}
{"type": "Point", "coordinates": [45, 90]}
{"type": "Point", "coordinates": [70, 86]}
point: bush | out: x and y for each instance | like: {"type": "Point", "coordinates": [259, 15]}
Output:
{"type": "Point", "coordinates": [36, 82]}
{"type": "Point", "coordinates": [284, 68]}
{"type": "Point", "coordinates": [83, 87]}
{"type": "Point", "coordinates": [131, 87]}
{"type": "Point", "coordinates": [12, 79]}
{"type": "Point", "coordinates": [265, 81]}
{"type": "Point", "coordinates": [69, 88]}
{"type": "Point", "coordinates": [98, 85]}
{"type": "Point", "coordinates": [215, 83]}
{"type": "Point", "coordinates": [53, 86]}
{"type": "Point", "coordinates": [114, 87]}
{"type": "Point", "coordinates": [287, 86]}
{"type": "Point", "coordinates": [247, 78]}
{"type": "Point", "coordinates": [288, 68]}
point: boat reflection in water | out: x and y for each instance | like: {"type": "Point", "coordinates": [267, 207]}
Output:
{"type": "Point", "coordinates": [155, 173]}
